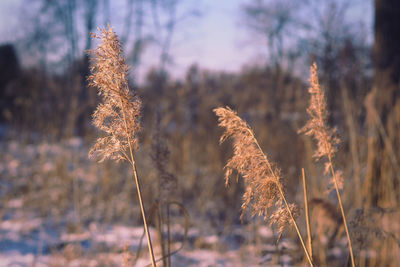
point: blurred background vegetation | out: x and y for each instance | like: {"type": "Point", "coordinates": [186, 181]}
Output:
{"type": "Point", "coordinates": [46, 105]}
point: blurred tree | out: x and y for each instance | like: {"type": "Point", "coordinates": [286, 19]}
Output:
{"type": "Point", "coordinates": [383, 108]}
{"type": "Point", "coordinates": [167, 15]}
{"type": "Point", "coordinates": [134, 8]}
{"type": "Point", "coordinates": [298, 33]}
{"type": "Point", "coordinates": [274, 21]}
{"type": "Point", "coordinates": [55, 38]}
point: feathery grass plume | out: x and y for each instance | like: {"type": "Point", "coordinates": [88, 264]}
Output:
{"type": "Point", "coordinates": [325, 136]}
{"type": "Point", "coordinates": [263, 181]}
{"type": "Point", "coordinates": [281, 216]}
{"type": "Point", "coordinates": [316, 125]}
{"type": "Point", "coordinates": [118, 116]}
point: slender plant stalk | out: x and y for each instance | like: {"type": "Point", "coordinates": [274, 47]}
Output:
{"type": "Point", "coordinates": [286, 204]}
{"type": "Point", "coordinates": [143, 211]}
{"type": "Point", "coordinates": [297, 228]}
{"type": "Point", "coordinates": [307, 213]}
{"type": "Point", "coordinates": [150, 246]}
{"type": "Point", "coordinates": [139, 191]}
{"type": "Point", "coordinates": [342, 211]}
{"type": "Point", "coordinates": [326, 137]}
{"type": "Point", "coordinates": [119, 113]}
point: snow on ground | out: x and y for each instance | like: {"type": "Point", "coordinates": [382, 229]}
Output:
{"type": "Point", "coordinates": [51, 206]}
{"type": "Point", "coordinates": [32, 243]}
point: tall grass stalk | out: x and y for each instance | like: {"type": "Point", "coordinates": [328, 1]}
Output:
{"type": "Point", "coordinates": [119, 113]}
{"type": "Point", "coordinates": [326, 138]}
{"type": "Point", "coordinates": [309, 239]}
{"type": "Point", "coordinates": [263, 185]}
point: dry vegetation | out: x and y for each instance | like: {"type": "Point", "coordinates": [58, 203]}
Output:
{"type": "Point", "coordinates": [170, 137]}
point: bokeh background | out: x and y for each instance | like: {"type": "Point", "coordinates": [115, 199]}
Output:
{"type": "Point", "coordinates": [60, 208]}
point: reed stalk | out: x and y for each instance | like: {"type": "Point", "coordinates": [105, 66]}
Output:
{"type": "Point", "coordinates": [309, 239]}
{"type": "Point", "coordinates": [143, 211]}
{"type": "Point", "coordinates": [326, 139]}
{"type": "Point", "coordinates": [308, 255]}
{"type": "Point", "coordinates": [262, 179]}
{"type": "Point", "coordinates": [118, 116]}
{"type": "Point", "coordinates": [342, 211]}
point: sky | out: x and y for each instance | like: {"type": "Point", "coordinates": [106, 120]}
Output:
{"type": "Point", "coordinates": [8, 20]}
{"type": "Point", "coordinates": [212, 40]}
{"type": "Point", "coordinates": [216, 40]}
{"type": "Point", "coordinates": [218, 43]}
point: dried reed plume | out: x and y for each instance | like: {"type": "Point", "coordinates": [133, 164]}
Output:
{"type": "Point", "coordinates": [318, 128]}
{"type": "Point", "coordinates": [316, 125]}
{"type": "Point", "coordinates": [118, 116]}
{"type": "Point", "coordinates": [262, 179]}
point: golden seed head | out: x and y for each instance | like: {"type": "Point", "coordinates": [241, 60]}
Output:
{"type": "Point", "coordinates": [118, 116]}
{"type": "Point", "coordinates": [281, 217]}
{"type": "Point", "coordinates": [317, 124]}
{"type": "Point", "coordinates": [261, 178]}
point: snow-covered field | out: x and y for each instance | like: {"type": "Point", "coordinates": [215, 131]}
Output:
{"type": "Point", "coordinates": [31, 242]}
{"type": "Point", "coordinates": [58, 208]}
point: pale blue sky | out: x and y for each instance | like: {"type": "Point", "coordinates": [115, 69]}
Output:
{"type": "Point", "coordinates": [217, 40]}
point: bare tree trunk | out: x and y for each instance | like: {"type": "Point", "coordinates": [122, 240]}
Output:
{"type": "Point", "coordinates": [383, 108]}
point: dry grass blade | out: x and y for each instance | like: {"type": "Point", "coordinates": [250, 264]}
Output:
{"type": "Point", "coordinates": [309, 237]}
{"type": "Point", "coordinates": [325, 137]}
{"type": "Point", "coordinates": [118, 116]}
{"type": "Point", "coordinates": [262, 179]}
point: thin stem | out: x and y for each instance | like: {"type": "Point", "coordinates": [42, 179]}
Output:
{"type": "Point", "coordinates": [307, 213]}
{"type": "Point", "coordinates": [342, 211]}
{"type": "Point", "coordinates": [139, 191]}
{"type": "Point", "coordinates": [284, 200]}
{"type": "Point", "coordinates": [295, 226]}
